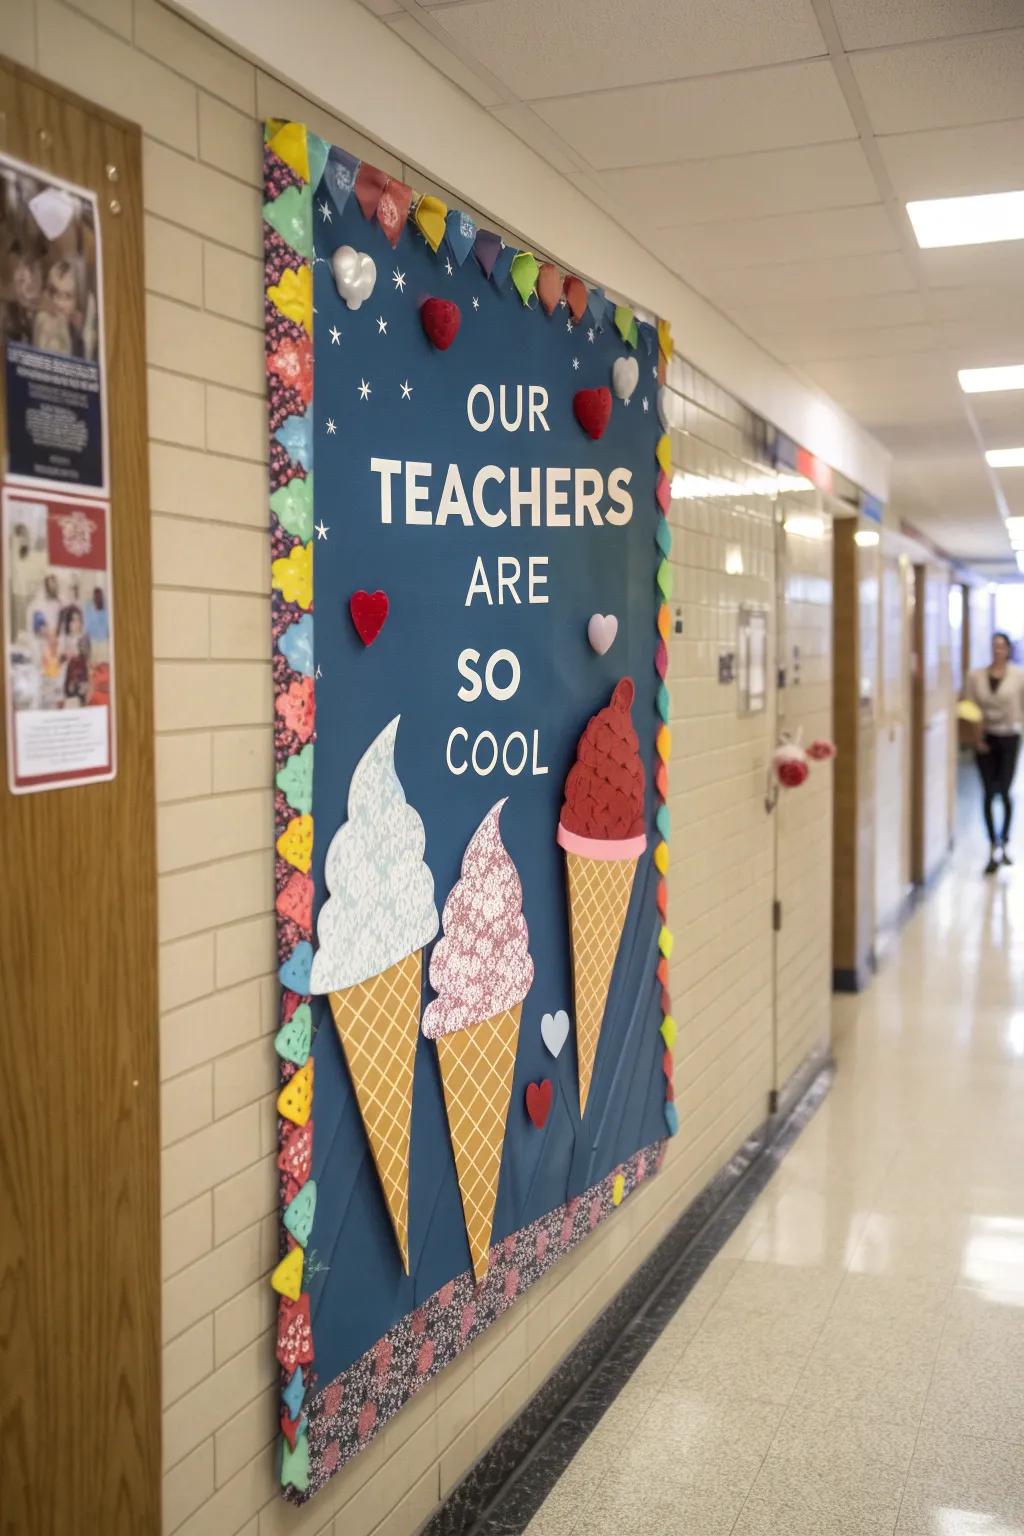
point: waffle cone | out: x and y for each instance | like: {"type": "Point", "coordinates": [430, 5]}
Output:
{"type": "Point", "coordinates": [476, 1068]}
{"type": "Point", "coordinates": [599, 891]}
{"type": "Point", "coordinates": [378, 1025]}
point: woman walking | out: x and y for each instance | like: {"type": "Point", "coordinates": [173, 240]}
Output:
{"type": "Point", "coordinates": [997, 691]}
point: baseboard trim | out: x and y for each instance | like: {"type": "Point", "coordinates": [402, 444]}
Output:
{"type": "Point", "coordinates": [503, 1491]}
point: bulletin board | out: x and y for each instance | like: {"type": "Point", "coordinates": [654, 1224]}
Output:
{"type": "Point", "coordinates": [469, 488]}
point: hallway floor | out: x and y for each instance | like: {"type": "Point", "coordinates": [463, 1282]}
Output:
{"type": "Point", "coordinates": [853, 1360]}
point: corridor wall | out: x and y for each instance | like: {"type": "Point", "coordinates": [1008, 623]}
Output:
{"type": "Point", "coordinates": [201, 105]}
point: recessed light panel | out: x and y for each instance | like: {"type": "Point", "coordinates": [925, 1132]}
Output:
{"type": "Point", "coordinates": [968, 220]}
{"type": "Point", "coordinates": [1006, 458]}
{"type": "Point", "coordinates": [983, 381]}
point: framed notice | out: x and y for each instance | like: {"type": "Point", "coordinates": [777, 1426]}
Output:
{"type": "Point", "coordinates": [58, 640]}
{"type": "Point", "coordinates": [51, 332]}
{"type": "Point", "coordinates": [752, 660]}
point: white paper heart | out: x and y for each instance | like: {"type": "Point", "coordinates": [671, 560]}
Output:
{"type": "Point", "coordinates": [554, 1030]}
{"type": "Point", "coordinates": [601, 631]}
{"type": "Point", "coordinates": [53, 211]}
{"type": "Point", "coordinates": [625, 376]}
{"type": "Point", "coordinates": [354, 274]}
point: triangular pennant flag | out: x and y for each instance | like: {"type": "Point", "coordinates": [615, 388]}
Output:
{"type": "Point", "coordinates": [287, 1277]}
{"type": "Point", "coordinates": [289, 145]}
{"type": "Point", "coordinates": [292, 1428]}
{"type": "Point", "coordinates": [525, 269]}
{"type": "Point", "coordinates": [296, 1155]}
{"type": "Point", "coordinates": [289, 215]}
{"type": "Point", "coordinates": [665, 339]}
{"type": "Point", "coordinates": [295, 1464]}
{"type": "Point", "coordinates": [295, 1100]}
{"type": "Point", "coordinates": [597, 304]}
{"type": "Point", "coordinates": [317, 151]}
{"type": "Point", "coordinates": [623, 320]}
{"type": "Point", "coordinates": [293, 1040]}
{"type": "Point", "coordinates": [293, 1393]}
{"type": "Point", "coordinates": [430, 216]}
{"type": "Point", "coordinates": [370, 183]}
{"type": "Point", "coordinates": [576, 297]}
{"type": "Point", "coordinates": [648, 336]}
{"type": "Point", "coordinates": [631, 335]}
{"type": "Point", "coordinates": [549, 286]}
{"type": "Point", "coordinates": [503, 265]}
{"type": "Point", "coordinates": [298, 1213]}
{"type": "Point", "coordinates": [461, 232]}
{"type": "Point", "coordinates": [340, 177]}
{"type": "Point", "coordinates": [486, 247]}
{"type": "Point", "coordinates": [393, 210]}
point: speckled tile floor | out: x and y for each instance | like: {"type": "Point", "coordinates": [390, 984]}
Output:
{"type": "Point", "coordinates": [852, 1362]}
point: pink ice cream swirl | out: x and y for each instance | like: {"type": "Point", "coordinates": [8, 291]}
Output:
{"type": "Point", "coordinates": [482, 966]}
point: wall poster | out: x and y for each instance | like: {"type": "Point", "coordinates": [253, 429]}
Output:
{"type": "Point", "coordinates": [469, 489]}
{"type": "Point", "coordinates": [51, 327]}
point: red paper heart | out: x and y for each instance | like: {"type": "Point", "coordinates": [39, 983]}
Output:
{"type": "Point", "coordinates": [549, 286]}
{"type": "Point", "coordinates": [368, 610]}
{"type": "Point", "coordinates": [538, 1102]}
{"type": "Point", "coordinates": [441, 319]}
{"type": "Point", "coordinates": [593, 409]}
{"type": "Point", "coordinates": [575, 296]}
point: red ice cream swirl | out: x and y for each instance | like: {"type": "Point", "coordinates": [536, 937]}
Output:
{"type": "Point", "coordinates": [604, 792]}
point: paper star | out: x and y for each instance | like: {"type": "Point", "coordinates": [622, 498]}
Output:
{"type": "Point", "coordinates": [321, 531]}
{"type": "Point", "coordinates": [335, 336]}
{"type": "Point", "coordinates": [364, 390]}
{"type": "Point", "coordinates": [331, 428]}
{"type": "Point", "coordinates": [318, 672]}
{"type": "Point", "coordinates": [448, 266]}
{"type": "Point", "coordinates": [325, 212]}
{"type": "Point", "coordinates": [575, 364]}
{"type": "Point", "coordinates": [654, 373]}
{"type": "Point", "coordinates": [382, 326]}
{"type": "Point", "coordinates": [563, 302]}
{"type": "Point", "coordinates": [476, 302]}
{"type": "Point", "coordinates": [568, 325]}
{"type": "Point", "coordinates": [645, 405]}
{"type": "Point", "coordinates": [626, 404]}
{"type": "Point", "coordinates": [407, 390]}
{"type": "Point", "coordinates": [590, 334]}
{"type": "Point", "coordinates": [398, 278]}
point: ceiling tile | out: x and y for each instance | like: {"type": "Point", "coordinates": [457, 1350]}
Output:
{"type": "Point", "coordinates": [1003, 306]}
{"type": "Point", "coordinates": [1000, 417]}
{"type": "Point", "coordinates": [943, 85]}
{"type": "Point", "coordinates": [802, 281]}
{"type": "Point", "coordinates": [1012, 482]}
{"type": "Point", "coordinates": [524, 122]}
{"type": "Point", "coordinates": [805, 346]}
{"type": "Point", "coordinates": [749, 186]}
{"type": "Point", "coordinates": [789, 236]}
{"type": "Point", "coordinates": [541, 49]}
{"type": "Point", "coordinates": [956, 162]}
{"type": "Point", "coordinates": [991, 267]}
{"type": "Point", "coordinates": [760, 109]}
{"type": "Point", "coordinates": [858, 312]}
{"type": "Point", "coordinates": [443, 59]}
{"type": "Point", "coordinates": [875, 23]}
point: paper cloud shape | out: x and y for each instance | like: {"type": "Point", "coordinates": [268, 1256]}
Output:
{"type": "Point", "coordinates": [354, 274]}
{"type": "Point", "coordinates": [625, 376]}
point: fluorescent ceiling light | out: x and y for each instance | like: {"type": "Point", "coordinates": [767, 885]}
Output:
{"type": "Point", "coordinates": [866, 538]}
{"type": "Point", "coordinates": [968, 220]}
{"type": "Point", "coordinates": [1015, 531]}
{"type": "Point", "coordinates": [982, 381]}
{"type": "Point", "coordinates": [806, 525]}
{"type": "Point", "coordinates": [1005, 458]}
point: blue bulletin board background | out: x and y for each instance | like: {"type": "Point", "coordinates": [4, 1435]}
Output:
{"type": "Point", "coordinates": [382, 389]}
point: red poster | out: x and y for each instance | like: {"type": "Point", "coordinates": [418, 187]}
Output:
{"type": "Point", "coordinates": [59, 640]}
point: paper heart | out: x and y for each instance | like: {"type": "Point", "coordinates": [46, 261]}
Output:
{"type": "Point", "coordinates": [538, 1102]}
{"type": "Point", "coordinates": [292, 505]}
{"type": "Point", "coordinates": [298, 1213]}
{"type": "Point", "coordinates": [368, 610]}
{"type": "Point", "coordinates": [289, 215]}
{"type": "Point", "coordinates": [592, 409]}
{"type": "Point", "coordinates": [294, 973]}
{"type": "Point", "coordinates": [293, 1040]}
{"type": "Point", "coordinates": [524, 274]}
{"type": "Point", "coordinates": [295, 780]}
{"type": "Point", "coordinates": [554, 1030]}
{"type": "Point", "coordinates": [292, 1428]}
{"type": "Point", "coordinates": [576, 297]}
{"type": "Point", "coordinates": [293, 1393]}
{"type": "Point", "coordinates": [295, 844]}
{"type": "Point", "coordinates": [354, 275]}
{"type": "Point", "coordinates": [549, 286]}
{"type": "Point", "coordinates": [295, 900]}
{"type": "Point", "coordinates": [53, 211]}
{"type": "Point", "coordinates": [295, 1158]}
{"type": "Point", "coordinates": [286, 1279]}
{"type": "Point", "coordinates": [440, 319]}
{"type": "Point", "coordinates": [295, 1465]}
{"type": "Point", "coordinates": [601, 631]}
{"type": "Point", "coordinates": [625, 376]}
{"type": "Point", "coordinates": [296, 645]}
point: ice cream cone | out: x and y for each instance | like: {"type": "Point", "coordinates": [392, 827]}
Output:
{"type": "Point", "coordinates": [477, 1065]}
{"type": "Point", "coordinates": [599, 891]}
{"type": "Point", "coordinates": [378, 1022]}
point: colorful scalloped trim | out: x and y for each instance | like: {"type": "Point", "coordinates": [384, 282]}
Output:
{"type": "Point", "coordinates": [663, 740]}
{"type": "Point", "coordinates": [288, 311]}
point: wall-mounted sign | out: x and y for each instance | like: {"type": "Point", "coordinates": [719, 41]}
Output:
{"type": "Point", "coordinates": [752, 654]}
{"type": "Point", "coordinates": [51, 331]}
{"type": "Point", "coordinates": [58, 640]}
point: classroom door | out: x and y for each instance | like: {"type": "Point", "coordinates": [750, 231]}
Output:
{"type": "Point", "coordinates": [79, 1169]}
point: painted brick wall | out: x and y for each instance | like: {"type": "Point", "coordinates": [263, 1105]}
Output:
{"type": "Point", "coordinates": [200, 107]}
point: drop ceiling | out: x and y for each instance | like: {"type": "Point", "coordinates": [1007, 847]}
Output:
{"type": "Point", "coordinates": [764, 150]}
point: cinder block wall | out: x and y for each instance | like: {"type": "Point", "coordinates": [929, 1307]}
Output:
{"type": "Point", "coordinates": [200, 107]}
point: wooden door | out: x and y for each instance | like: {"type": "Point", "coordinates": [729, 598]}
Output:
{"type": "Point", "coordinates": [79, 1160]}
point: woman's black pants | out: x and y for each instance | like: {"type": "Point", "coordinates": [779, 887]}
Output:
{"type": "Point", "coordinates": [997, 767]}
